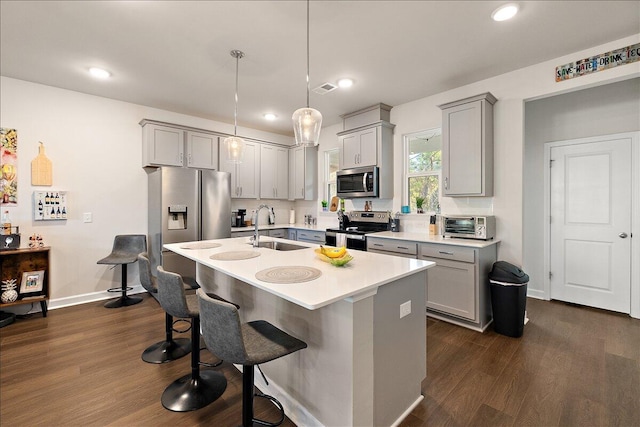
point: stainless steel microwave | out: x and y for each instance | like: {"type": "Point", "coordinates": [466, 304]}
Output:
{"type": "Point", "coordinates": [357, 182]}
{"type": "Point", "coordinates": [470, 227]}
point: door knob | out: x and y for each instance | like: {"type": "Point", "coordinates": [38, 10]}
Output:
{"type": "Point", "coordinates": [622, 235]}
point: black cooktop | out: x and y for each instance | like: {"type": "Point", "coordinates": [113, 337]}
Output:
{"type": "Point", "coordinates": [361, 222]}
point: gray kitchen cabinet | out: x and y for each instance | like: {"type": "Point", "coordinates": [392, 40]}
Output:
{"type": "Point", "coordinates": [248, 233]}
{"type": "Point", "coordinates": [303, 173]}
{"type": "Point", "coordinates": [458, 285]}
{"type": "Point", "coordinates": [274, 172]}
{"type": "Point", "coordinates": [202, 150]}
{"type": "Point", "coordinates": [280, 232]}
{"type": "Point", "coordinates": [244, 176]}
{"type": "Point", "coordinates": [370, 145]}
{"type": "Point", "coordinates": [167, 145]}
{"type": "Point", "coordinates": [162, 145]}
{"type": "Point", "coordinates": [401, 248]}
{"type": "Point", "coordinates": [467, 146]}
{"type": "Point", "coordinates": [311, 236]}
{"type": "Point", "coordinates": [292, 234]}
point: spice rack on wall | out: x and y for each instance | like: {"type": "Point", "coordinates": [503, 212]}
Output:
{"type": "Point", "coordinates": [50, 205]}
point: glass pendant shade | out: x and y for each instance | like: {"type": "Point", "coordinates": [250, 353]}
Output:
{"type": "Point", "coordinates": [235, 149]}
{"type": "Point", "coordinates": [306, 126]}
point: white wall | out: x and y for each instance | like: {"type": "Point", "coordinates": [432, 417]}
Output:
{"type": "Point", "coordinates": [94, 144]}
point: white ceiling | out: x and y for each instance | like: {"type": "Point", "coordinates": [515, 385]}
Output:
{"type": "Point", "coordinates": [175, 55]}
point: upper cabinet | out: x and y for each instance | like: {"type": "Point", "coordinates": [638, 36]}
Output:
{"type": "Point", "coordinates": [202, 150]}
{"type": "Point", "coordinates": [164, 145]}
{"type": "Point", "coordinates": [303, 173]}
{"type": "Point", "coordinates": [358, 148]}
{"type": "Point", "coordinates": [245, 176]}
{"type": "Point", "coordinates": [467, 146]}
{"type": "Point", "coordinates": [274, 172]}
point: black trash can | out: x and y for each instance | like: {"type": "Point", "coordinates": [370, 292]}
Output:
{"type": "Point", "coordinates": [508, 298]}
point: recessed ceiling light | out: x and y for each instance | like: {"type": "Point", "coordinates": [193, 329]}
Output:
{"type": "Point", "coordinates": [505, 12]}
{"type": "Point", "coordinates": [344, 83]}
{"type": "Point", "coordinates": [99, 73]}
{"type": "Point", "coordinates": [270, 116]}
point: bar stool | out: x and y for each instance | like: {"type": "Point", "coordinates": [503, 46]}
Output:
{"type": "Point", "coordinates": [169, 349]}
{"type": "Point", "coordinates": [248, 344]}
{"type": "Point", "coordinates": [126, 248]}
{"type": "Point", "coordinates": [198, 389]}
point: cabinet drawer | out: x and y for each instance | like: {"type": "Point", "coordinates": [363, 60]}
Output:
{"type": "Point", "coordinates": [307, 236]}
{"type": "Point", "coordinates": [455, 253]}
{"type": "Point", "coordinates": [399, 246]}
{"type": "Point", "coordinates": [278, 233]}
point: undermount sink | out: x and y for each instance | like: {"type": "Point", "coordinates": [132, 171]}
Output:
{"type": "Point", "coordinates": [279, 246]}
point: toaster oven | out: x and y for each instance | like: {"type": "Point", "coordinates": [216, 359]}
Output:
{"type": "Point", "coordinates": [469, 227]}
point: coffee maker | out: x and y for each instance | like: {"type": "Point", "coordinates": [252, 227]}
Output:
{"type": "Point", "coordinates": [240, 217]}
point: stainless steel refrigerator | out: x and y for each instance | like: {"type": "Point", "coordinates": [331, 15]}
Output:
{"type": "Point", "coordinates": [186, 205]}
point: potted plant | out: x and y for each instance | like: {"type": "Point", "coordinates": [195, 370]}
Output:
{"type": "Point", "coordinates": [324, 205]}
{"type": "Point", "coordinates": [419, 203]}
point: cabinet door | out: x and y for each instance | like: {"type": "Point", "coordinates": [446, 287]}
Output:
{"type": "Point", "coordinates": [298, 173]}
{"type": "Point", "coordinates": [231, 168]}
{"type": "Point", "coordinates": [162, 146]}
{"type": "Point", "coordinates": [268, 157]}
{"type": "Point", "coordinates": [282, 173]}
{"type": "Point", "coordinates": [202, 150]}
{"type": "Point", "coordinates": [248, 172]}
{"type": "Point", "coordinates": [349, 151]}
{"type": "Point", "coordinates": [451, 288]}
{"type": "Point", "coordinates": [368, 147]}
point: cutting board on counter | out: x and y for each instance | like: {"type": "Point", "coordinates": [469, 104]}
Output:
{"type": "Point", "coordinates": [334, 203]}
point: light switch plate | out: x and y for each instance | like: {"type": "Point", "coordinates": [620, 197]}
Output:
{"type": "Point", "coordinates": [405, 309]}
{"type": "Point", "coordinates": [87, 217]}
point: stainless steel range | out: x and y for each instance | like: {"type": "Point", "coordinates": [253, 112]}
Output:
{"type": "Point", "coordinates": [354, 228]}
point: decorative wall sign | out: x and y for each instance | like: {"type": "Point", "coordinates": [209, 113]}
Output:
{"type": "Point", "coordinates": [32, 281]}
{"type": "Point", "coordinates": [9, 167]}
{"type": "Point", "coordinates": [41, 168]}
{"type": "Point", "coordinates": [49, 205]}
{"type": "Point", "coordinates": [604, 61]}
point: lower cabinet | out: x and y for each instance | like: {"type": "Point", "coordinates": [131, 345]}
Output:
{"type": "Point", "coordinates": [458, 285]}
{"type": "Point", "coordinates": [280, 232]}
{"type": "Point", "coordinates": [310, 236]}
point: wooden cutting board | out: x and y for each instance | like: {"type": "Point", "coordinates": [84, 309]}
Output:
{"type": "Point", "coordinates": [41, 168]}
{"type": "Point", "coordinates": [334, 204]}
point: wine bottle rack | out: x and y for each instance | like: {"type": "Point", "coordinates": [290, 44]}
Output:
{"type": "Point", "coordinates": [50, 206]}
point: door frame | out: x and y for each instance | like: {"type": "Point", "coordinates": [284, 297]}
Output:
{"type": "Point", "coordinates": [635, 211]}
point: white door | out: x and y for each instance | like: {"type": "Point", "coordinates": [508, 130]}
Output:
{"type": "Point", "coordinates": [590, 244]}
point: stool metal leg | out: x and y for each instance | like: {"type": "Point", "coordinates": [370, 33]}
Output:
{"type": "Point", "coordinates": [247, 396]}
{"type": "Point", "coordinates": [198, 389]}
{"type": "Point", "coordinates": [169, 349]}
{"type": "Point", "coordinates": [124, 300]}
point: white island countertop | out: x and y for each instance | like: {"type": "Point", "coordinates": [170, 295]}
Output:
{"type": "Point", "coordinates": [359, 278]}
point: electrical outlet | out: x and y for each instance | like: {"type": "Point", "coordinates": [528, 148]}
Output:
{"type": "Point", "coordinates": [405, 309]}
{"type": "Point", "coordinates": [87, 217]}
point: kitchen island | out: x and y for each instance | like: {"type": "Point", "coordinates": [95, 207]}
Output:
{"type": "Point", "coordinates": [364, 363]}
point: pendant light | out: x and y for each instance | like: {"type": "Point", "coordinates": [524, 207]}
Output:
{"type": "Point", "coordinates": [235, 144]}
{"type": "Point", "coordinates": [307, 121]}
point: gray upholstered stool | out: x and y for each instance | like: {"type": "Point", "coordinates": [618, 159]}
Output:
{"type": "Point", "coordinates": [169, 349]}
{"type": "Point", "coordinates": [126, 248]}
{"type": "Point", "coordinates": [198, 389]}
{"type": "Point", "coordinates": [248, 344]}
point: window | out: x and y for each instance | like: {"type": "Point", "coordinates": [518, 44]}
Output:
{"type": "Point", "coordinates": [330, 168]}
{"type": "Point", "coordinates": [423, 162]}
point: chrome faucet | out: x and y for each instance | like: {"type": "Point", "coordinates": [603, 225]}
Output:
{"type": "Point", "coordinates": [256, 236]}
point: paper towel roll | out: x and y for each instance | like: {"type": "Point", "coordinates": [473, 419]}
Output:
{"type": "Point", "coordinates": [292, 216]}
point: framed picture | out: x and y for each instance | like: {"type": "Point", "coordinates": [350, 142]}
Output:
{"type": "Point", "coordinates": [32, 281]}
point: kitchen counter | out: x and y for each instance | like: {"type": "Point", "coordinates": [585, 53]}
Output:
{"type": "Point", "coordinates": [359, 277]}
{"type": "Point", "coordinates": [357, 320]}
{"type": "Point", "coordinates": [427, 238]}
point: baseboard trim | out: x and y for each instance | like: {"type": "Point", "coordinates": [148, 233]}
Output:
{"type": "Point", "coordinates": [84, 298]}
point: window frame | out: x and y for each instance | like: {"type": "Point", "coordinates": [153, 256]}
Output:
{"type": "Point", "coordinates": [326, 180]}
{"type": "Point", "coordinates": [406, 175]}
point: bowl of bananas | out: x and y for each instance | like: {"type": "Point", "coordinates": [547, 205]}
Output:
{"type": "Point", "coordinates": [334, 256]}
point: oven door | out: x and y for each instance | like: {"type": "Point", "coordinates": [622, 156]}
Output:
{"type": "Point", "coordinates": [356, 242]}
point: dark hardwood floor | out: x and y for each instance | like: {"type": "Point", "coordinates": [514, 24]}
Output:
{"type": "Point", "coordinates": [81, 366]}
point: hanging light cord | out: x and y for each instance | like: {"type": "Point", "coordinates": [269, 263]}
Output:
{"type": "Point", "coordinates": [236, 54]}
{"type": "Point", "coordinates": [308, 85]}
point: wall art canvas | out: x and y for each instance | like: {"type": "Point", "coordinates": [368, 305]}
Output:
{"type": "Point", "coordinates": [9, 167]}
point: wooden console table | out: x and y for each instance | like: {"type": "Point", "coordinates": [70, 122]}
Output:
{"type": "Point", "coordinates": [15, 262]}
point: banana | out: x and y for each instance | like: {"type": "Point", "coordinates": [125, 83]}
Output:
{"type": "Point", "coordinates": [333, 253]}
